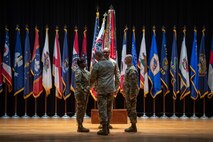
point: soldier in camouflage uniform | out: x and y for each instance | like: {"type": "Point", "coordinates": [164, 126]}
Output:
{"type": "Point", "coordinates": [106, 52]}
{"type": "Point", "coordinates": [131, 91]}
{"type": "Point", "coordinates": [82, 77]}
{"type": "Point", "coordinates": [104, 75]}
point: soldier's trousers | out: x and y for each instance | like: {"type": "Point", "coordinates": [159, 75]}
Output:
{"type": "Point", "coordinates": [131, 108]}
{"type": "Point", "coordinates": [81, 105]}
{"type": "Point", "coordinates": [105, 106]}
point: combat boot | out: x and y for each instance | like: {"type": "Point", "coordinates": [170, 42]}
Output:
{"type": "Point", "coordinates": [104, 130]}
{"type": "Point", "coordinates": [132, 128]}
{"type": "Point", "coordinates": [82, 129]}
{"type": "Point", "coordinates": [100, 126]}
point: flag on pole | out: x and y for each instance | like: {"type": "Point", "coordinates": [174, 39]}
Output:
{"type": "Point", "coordinates": [133, 51]}
{"type": "Point", "coordinates": [36, 67]}
{"type": "Point", "coordinates": [164, 64]}
{"type": "Point", "coordinates": [66, 67]}
{"type": "Point", "coordinates": [18, 65]}
{"type": "Point", "coordinates": [57, 67]}
{"type": "Point", "coordinates": [194, 68]}
{"type": "Point", "coordinates": [202, 69]}
{"type": "Point", "coordinates": [110, 34]}
{"type": "Point", "coordinates": [96, 31]}
{"type": "Point", "coordinates": [99, 44]}
{"type": "Point", "coordinates": [75, 56]}
{"type": "Point", "coordinates": [184, 69]}
{"type": "Point", "coordinates": [174, 66]}
{"type": "Point", "coordinates": [123, 55]}
{"type": "Point", "coordinates": [154, 68]}
{"type": "Point", "coordinates": [210, 73]}
{"type": "Point", "coordinates": [142, 65]}
{"type": "Point", "coordinates": [6, 67]}
{"type": "Point", "coordinates": [84, 47]}
{"type": "Point", "coordinates": [46, 73]}
{"type": "Point", "coordinates": [1, 80]}
{"type": "Point", "coordinates": [27, 64]}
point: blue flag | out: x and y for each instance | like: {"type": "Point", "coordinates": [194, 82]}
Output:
{"type": "Point", "coordinates": [194, 68]}
{"type": "Point", "coordinates": [133, 52]}
{"type": "Point", "coordinates": [27, 74]}
{"type": "Point", "coordinates": [164, 65]}
{"type": "Point", "coordinates": [95, 35]}
{"type": "Point", "coordinates": [174, 67]}
{"type": "Point", "coordinates": [203, 86]}
{"type": "Point", "coordinates": [66, 68]}
{"type": "Point", "coordinates": [18, 65]}
{"type": "Point", "coordinates": [154, 69]}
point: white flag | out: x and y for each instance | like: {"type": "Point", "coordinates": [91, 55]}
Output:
{"type": "Point", "coordinates": [184, 71]}
{"type": "Point", "coordinates": [46, 74]}
{"type": "Point", "coordinates": [142, 65]}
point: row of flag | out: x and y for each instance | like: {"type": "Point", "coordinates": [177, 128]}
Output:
{"type": "Point", "coordinates": [179, 75]}
{"type": "Point", "coordinates": [157, 74]}
{"type": "Point", "coordinates": [27, 75]}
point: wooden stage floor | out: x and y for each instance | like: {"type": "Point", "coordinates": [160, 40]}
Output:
{"type": "Point", "coordinates": [62, 130]}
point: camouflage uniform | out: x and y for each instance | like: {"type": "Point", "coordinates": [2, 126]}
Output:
{"type": "Point", "coordinates": [82, 77]}
{"type": "Point", "coordinates": [107, 81]}
{"type": "Point", "coordinates": [131, 90]}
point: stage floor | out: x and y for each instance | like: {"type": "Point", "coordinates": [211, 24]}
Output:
{"type": "Point", "coordinates": [62, 130]}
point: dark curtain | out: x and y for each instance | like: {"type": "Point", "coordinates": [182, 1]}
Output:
{"type": "Point", "coordinates": [79, 13]}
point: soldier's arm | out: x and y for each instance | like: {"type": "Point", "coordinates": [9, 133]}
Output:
{"type": "Point", "coordinates": [133, 81]}
{"type": "Point", "coordinates": [117, 77]}
{"type": "Point", "coordinates": [78, 76]}
{"type": "Point", "coordinates": [93, 76]}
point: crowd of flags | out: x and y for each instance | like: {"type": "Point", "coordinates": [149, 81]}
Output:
{"type": "Point", "coordinates": [33, 74]}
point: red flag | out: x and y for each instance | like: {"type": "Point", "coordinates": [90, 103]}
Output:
{"type": "Point", "coordinates": [36, 67]}
{"type": "Point", "coordinates": [6, 67]}
{"type": "Point", "coordinates": [57, 67]}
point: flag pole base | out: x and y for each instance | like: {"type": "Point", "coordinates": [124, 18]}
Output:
{"type": "Point", "coordinates": [5, 116]}
{"type": "Point", "coordinates": [35, 116]}
{"type": "Point", "coordinates": [173, 116]}
{"type": "Point", "coordinates": [153, 116]}
{"type": "Point", "coordinates": [164, 116]}
{"type": "Point", "coordinates": [204, 116]}
{"type": "Point", "coordinates": [65, 116]}
{"type": "Point", "coordinates": [45, 116]}
{"type": "Point", "coordinates": [144, 116]}
{"type": "Point", "coordinates": [25, 116]}
{"type": "Point", "coordinates": [184, 116]}
{"type": "Point", "coordinates": [55, 116]}
{"type": "Point", "coordinates": [15, 116]}
{"type": "Point", "coordinates": [194, 116]}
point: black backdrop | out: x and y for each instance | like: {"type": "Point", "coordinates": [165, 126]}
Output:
{"type": "Point", "coordinates": [79, 13]}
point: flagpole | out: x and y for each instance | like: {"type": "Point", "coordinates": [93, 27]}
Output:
{"type": "Point", "coordinates": [15, 115]}
{"type": "Point", "coordinates": [174, 116]}
{"type": "Point", "coordinates": [45, 108]}
{"type": "Point", "coordinates": [164, 106]}
{"type": "Point", "coordinates": [204, 109]}
{"type": "Point", "coordinates": [5, 102]}
{"type": "Point", "coordinates": [144, 108]}
{"type": "Point", "coordinates": [35, 115]}
{"type": "Point", "coordinates": [194, 116]}
{"type": "Point", "coordinates": [154, 115]}
{"type": "Point", "coordinates": [65, 109]}
{"type": "Point", "coordinates": [25, 114]}
{"type": "Point", "coordinates": [56, 115]}
{"type": "Point", "coordinates": [184, 109]}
